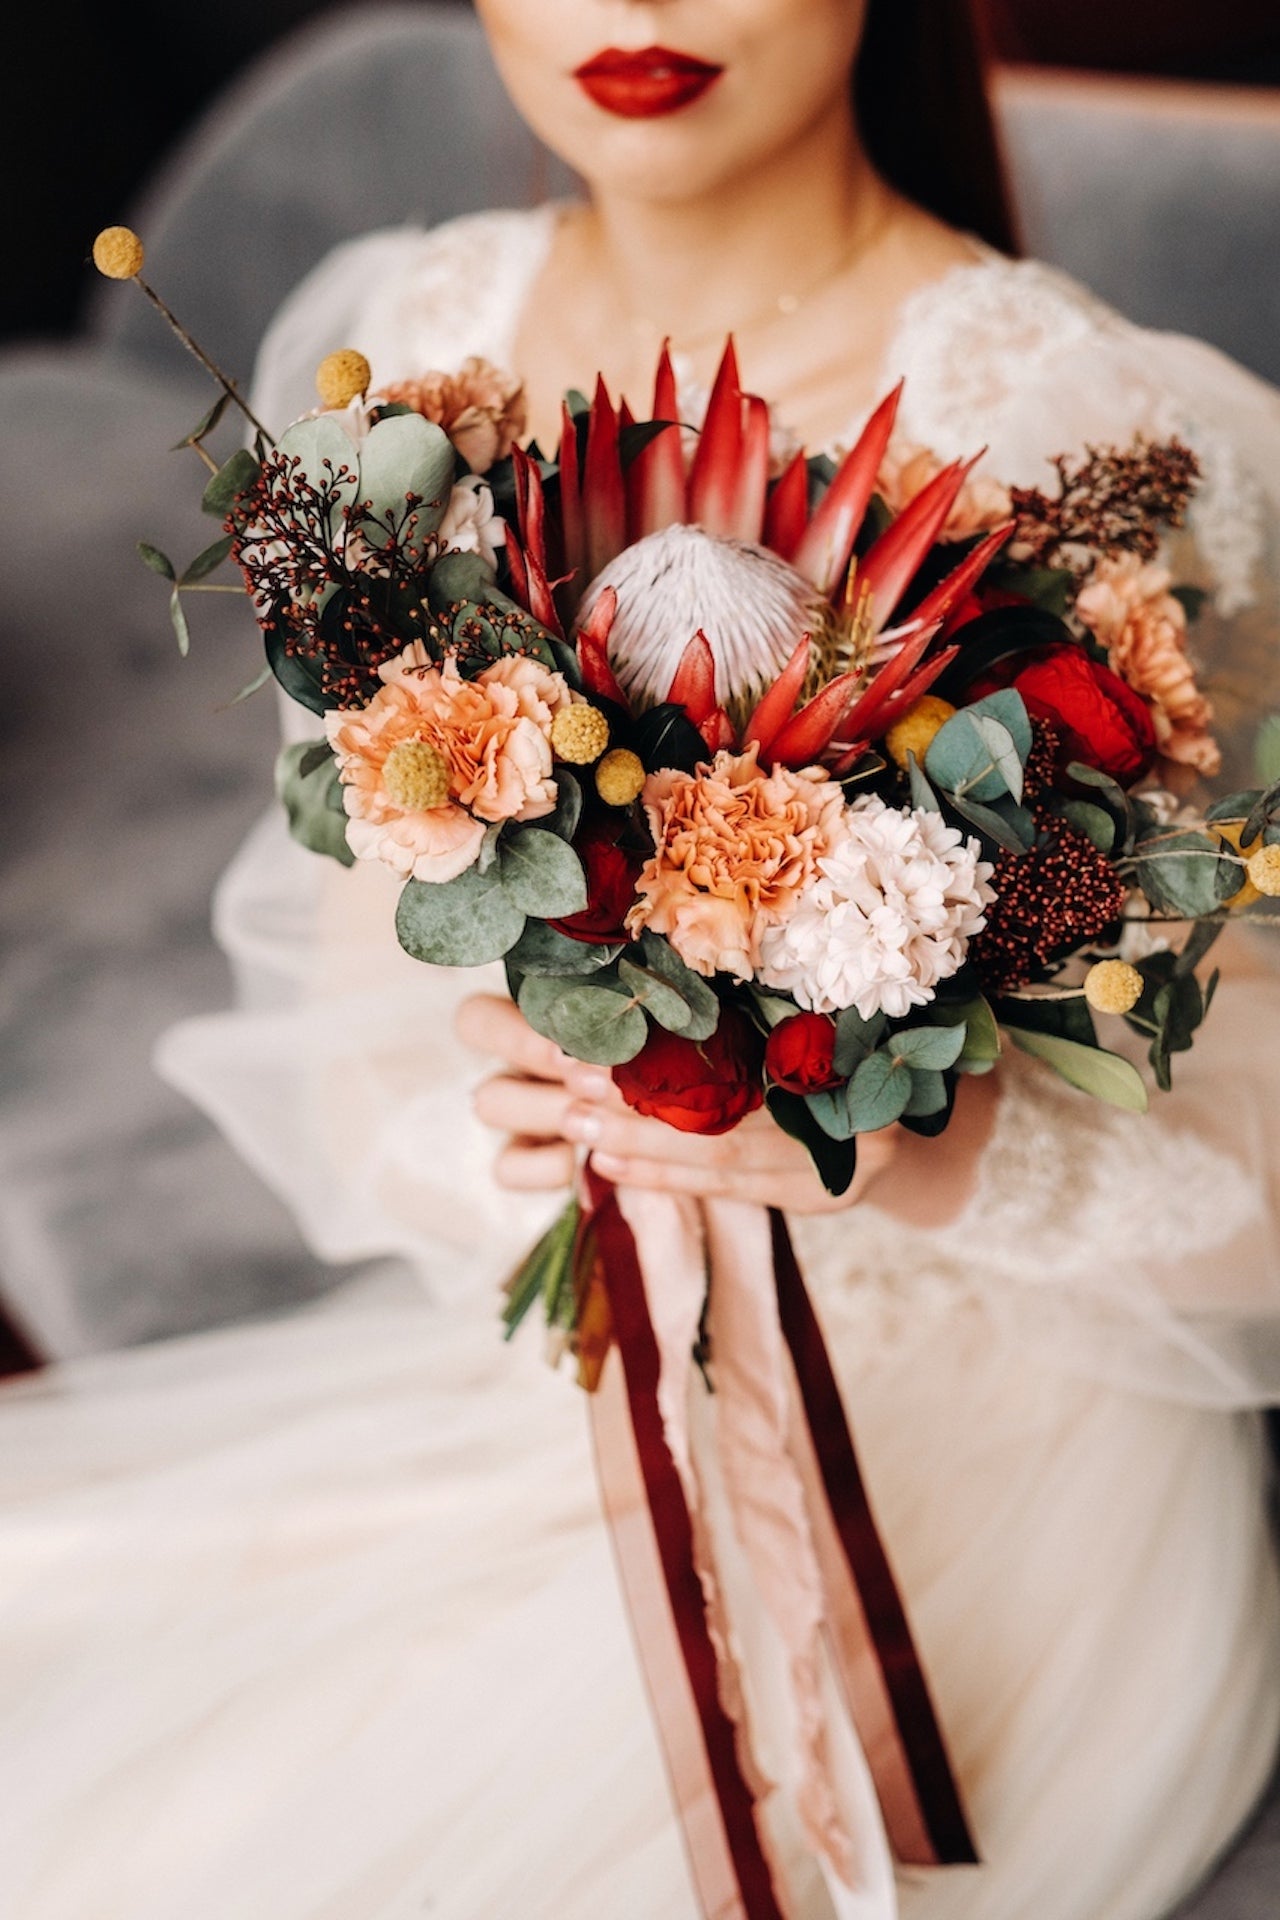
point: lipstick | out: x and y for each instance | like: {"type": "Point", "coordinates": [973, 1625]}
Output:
{"type": "Point", "coordinates": [642, 85]}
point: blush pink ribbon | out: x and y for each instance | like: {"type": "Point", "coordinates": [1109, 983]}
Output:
{"type": "Point", "coordinates": [801, 1745]}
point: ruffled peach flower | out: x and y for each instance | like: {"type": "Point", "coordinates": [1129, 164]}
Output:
{"type": "Point", "coordinates": [480, 407]}
{"type": "Point", "coordinates": [735, 848]}
{"type": "Point", "coordinates": [493, 736]}
{"type": "Point", "coordinates": [981, 504]}
{"type": "Point", "coordinates": [1127, 606]}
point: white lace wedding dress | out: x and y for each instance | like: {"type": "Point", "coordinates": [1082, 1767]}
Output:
{"type": "Point", "coordinates": [317, 1620]}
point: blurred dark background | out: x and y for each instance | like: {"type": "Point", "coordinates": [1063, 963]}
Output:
{"type": "Point", "coordinates": [112, 88]}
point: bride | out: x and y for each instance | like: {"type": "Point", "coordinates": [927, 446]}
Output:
{"type": "Point", "coordinates": [317, 1620]}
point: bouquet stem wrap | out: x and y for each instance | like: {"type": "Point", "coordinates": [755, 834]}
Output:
{"type": "Point", "coordinates": [799, 1736]}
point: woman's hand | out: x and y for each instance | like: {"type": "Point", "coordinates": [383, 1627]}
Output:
{"type": "Point", "coordinates": [550, 1106]}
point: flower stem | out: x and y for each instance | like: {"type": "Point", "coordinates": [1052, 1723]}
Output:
{"type": "Point", "coordinates": [224, 381]}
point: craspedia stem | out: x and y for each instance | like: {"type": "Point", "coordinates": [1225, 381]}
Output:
{"type": "Point", "coordinates": [227, 384]}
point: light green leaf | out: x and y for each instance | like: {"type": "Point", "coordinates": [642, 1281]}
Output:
{"type": "Point", "coordinates": [177, 615]}
{"type": "Point", "coordinates": [1186, 873]}
{"type": "Point", "coordinates": [1105, 1075]}
{"type": "Point", "coordinates": [1266, 751]}
{"type": "Point", "coordinates": [1095, 823]}
{"type": "Point", "coordinates": [831, 1111]}
{"type": "Point", "coordinates": [855, 1039]}
{"type": "Point", "coordinates": [661, 1001]}
{"type": "Point", "coordinates": [205, 425]}
{"type": "Point", "coordinates": [928, 1095]}
{"type": "Point", "coordinates": [594, 1023]}
{"type": "Point", "coordinates": [969, 757]}
{"type": "Point", "coordinates": [404, 455]}
{"type": "Point", "coordinates": [981, 1047]}
{"type": "Point", "coordinates": [307, 785]}
{"type": "Point", "coordinates": [158, 562]}
{"type": "Point", "coordinates": [544, 949]}
{"type": "Point", "coordinates": [234, 477]}
{"type": "Point", "coordinates": [328, 460]}
{"type": "Point", "coordinates": [700, 998]}
{"type": "Point", "coordinates": [542, 874]}
{"type": "Point", "coordinates": [922, 794]}
{"type": "Point", "coordinates": [458, 923]}
{"type": "Point", "coordinates": [927, 1047]}
{"type": "Point", "coordinates": [999, 742]}
{"type": "Point", "coordinates": [204, 563]}
{"type": "Point", "coordinates": [878, 1093]}
{"type": "Point", "coordinates": [253, 686]}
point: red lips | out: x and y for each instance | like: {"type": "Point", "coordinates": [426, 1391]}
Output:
{"type": "Point", "coordinates": [641, 85]}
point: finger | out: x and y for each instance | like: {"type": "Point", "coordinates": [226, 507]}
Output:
{"type": "Point", "coordinates": [494, 1026]}
{"type": "Point", "coordinates": [634, 1136]}
{"type": "Point", "coordinates": [667, 1176]}
{"type": "Point", "coordinates": [531, 1166]}
{"type": "Point", "coordinates": [535, 1109]}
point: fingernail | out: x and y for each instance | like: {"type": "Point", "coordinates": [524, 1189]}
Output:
{"type": "Point", "coordinates": [583, 1124]}
{"type": "Point", "coordinates": [609, 1164]}
{"type": "Point", "coordinates": [588, 1083]}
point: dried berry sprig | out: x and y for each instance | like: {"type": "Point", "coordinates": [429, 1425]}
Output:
{"type": "Point", "coordinates": [1110, 500]}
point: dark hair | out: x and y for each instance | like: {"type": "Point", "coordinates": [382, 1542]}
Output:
{"type": "Point", "coordinates": [920, 96]}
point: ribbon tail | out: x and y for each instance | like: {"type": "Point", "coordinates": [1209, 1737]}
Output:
{"type": "Point", "coordinates": [880, 1670]}
{"type": "Point", "coordinates": [654, 1543]}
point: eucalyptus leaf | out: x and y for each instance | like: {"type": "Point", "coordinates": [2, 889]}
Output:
{"type": "Point", "coordinates": [1260, 813]}
{"type": "Point", "coordinates": [465, 922]}
{"type": "Point", "coordinates": [1186, 873]}
{"type": "Point", "coordinates": [327, 458]}
{"type": "Point", "coordinates": [1196, 945]}
{"type": "Point", "coordinates": [981, 1047]}
{"type": "Point", "coordinates": [205, 563]}
{"type": "Point", "coordinates": [660, 1001]}
{"type": "Point", "coordinates": [233, 478]}
{"type": "Point", "coordinates": [599, 1024]}
{"type": "Point", "coordinates": [405, 455]}
{"type": "Point", "coordinates": [1008, 824]}
{"type": "Point", "coordinates": [1234, 806]}
{"type": "Point", "coordinates": [1070, 1019]}
{"type": "Point", "coordinates": [855, 1039]}
{"type": "Point", "coordinates": [999, 743]}
{"type": "Point", "coordinates": [489, 846]}
{"type": "Point", "coordinates": [297, 675]}
{"type": "Point", "coordinates": [830, 1109]}
{"type": "Point", "coordinates": [878, 1093]}
{"type": "Point", "coordinates": [979, 753]}
{"type": "Point", "coordinates": [158, 562]}
{"type": "Point", "coordinates": [250, 687]}
{"type": "Point", "coordinates": [177, 615]}
{"type": "Point", "coordinates": [1095, 823]}
{"type": "Point", "coordinates": [927, 1047]}
{"type": "Point", "coordinates": [661, 958]}
{"type": "Point", "coordinates": [568, 808]}
{"type": "Point", "coordinates": [542, 874]}
{"type": "Point", "coordinates": [461, 576]}
{"type": "Point", "coordinates": [543, 949]}
{"type": "Point", "coordinates": [1107, 1076]}
{"type": "Point", "coordinates": [1266, 750]}
{"type": "Point", "coordinates": [205, 425]}
{"type": "Point", "coordinates": [922, 793]}
{"type": "Point", "coordinates": [928, 1094]}
{"type": "Point", "coordinates": [310, 792]}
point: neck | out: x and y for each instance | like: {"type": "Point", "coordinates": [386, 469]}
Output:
{"type": "Point", "coordinates": [804, 214]}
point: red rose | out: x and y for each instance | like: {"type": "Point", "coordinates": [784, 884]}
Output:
{"type": "Point", "coordinates": [1101, 720]}
{"type": "Point", "coordinates": [611, 887]}
{"type": "Point", "coordinates": [699, 1086]}
{"type": "Point", "coordinates": [799, 1052]}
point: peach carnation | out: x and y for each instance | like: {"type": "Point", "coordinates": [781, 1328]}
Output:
{"type": "Point", "coordinates": [493, 734]}
{"type": "Point", "coordinates": [735, 848]}
{"type": "Point", "coordinates": [1127, 606]}
{"type": "Point", "coordinates": [480, 407]}
{"type": "Point", "coordinates": [981, 504]}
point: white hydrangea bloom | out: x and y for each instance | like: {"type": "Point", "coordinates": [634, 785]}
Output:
{"type": "Point", "coordinates": [895, 904]}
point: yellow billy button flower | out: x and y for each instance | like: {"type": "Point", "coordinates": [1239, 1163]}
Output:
{"type": "Point", "coordinates": [117, 253]}
{"type": "Point", "coordinates": [1263, 869]}
{"type": "Point", "coordinates": [620, 777]}
{"type": "Point", "coordinates": [1113, 986]}
{"type": "Point", "coordinates": [914, 732]}
{"type": "Point", "coordinates": [579, 733]}
{"type": "Point", "coordinates": [342, 376]}
{"type": "Point", "coordinates": [415, 776]}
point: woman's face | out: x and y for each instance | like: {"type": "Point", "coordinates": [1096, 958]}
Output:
{"type": "Point", "coordinates": [670, 99]}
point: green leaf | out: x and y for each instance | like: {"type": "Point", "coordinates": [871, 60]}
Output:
{"type": "Point", "coordinates": [1196, 945]}
{"type": "Point", "coordinates": [772, 1008]}
{"type": "Point", "coordinates": [297, 675]}
{"type": "Point", "coordinates": [1234, 806]}
{"type": "Point", "coordinates": [1266, 750]}
{"type": "Point", "coordinates": [542, 874]}
{"type": "Point", "coordinates": [458, 923]}
{"type": "Point", "coordinates": [1070, 1019]}
{"type": "Point", "coordinates": [980, 752]}
{"type": "Point", "coordinates": [204, 563]}
{"type": "Point", "coordinates": [178, 616]}
{"type": "Point", "coordinates": [834, 1160]}
{"type": "Point", "coordinates": [1095, 823]}
{"type": "Point", "coordinates": [541, 1271]}
{"type": "Point", "coordinates": [660, 1001]}
{"type": "Point", "coordinates": [1051, 589]}
{"type": "Point", "coordinates": [568, 808]}
{"type": "Point", "coordinates": [307, 785]}
{"type": "Point", "coordinates": [258, 682]}
{"type": "Point", "coordinates": [878, 1093]}
{"type": "Point", "coordinates": [666, 737]}
{"type": "Point", "coordinates": [405, 454]}
{"type": "Point", "coordinates": [999, 742]}
{"type": "Point", "coordinates": [922, 793]}
{"type": "Point", "coordinates": [1260, 813]}
{"type": "Point", "coordinates": [1008, 824]}
{"type": "Point", "coordinates": [830, 1109]}
{"type": "Point", "coordinates": [599, 1024]}
{"type": "Point", "coordinates": [855, 1039]}
{"type": "Point", "coordinates": [1186, 873]}
{"type": "Point", "coordinates": [928, 1095]}
{"type": "Point", "coordinates": [700, 998]}
{"type": "Point", "coordinates": [927, 1047]}
{"type": "Point", "coordinates": [981, 1047]}
{"type": "Point", "coordinates": [461, 576]}
{"type": "Point", "coordinates": [205, 425]}
{"type": "Point", "coordinates": [158, 562]}
{"type": "Point", "coordinates": [543, 949]}
{"type": "Point", "coordinates": [234, 477]}
{"type": "Point", "coordinates": [1106, 1075]}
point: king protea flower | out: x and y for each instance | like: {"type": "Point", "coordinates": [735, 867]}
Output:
{"type": "Point", "coordinates": [697, 578]}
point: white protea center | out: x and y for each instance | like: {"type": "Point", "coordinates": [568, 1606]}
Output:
{"type": "Point", "coordinates": [751, 605]}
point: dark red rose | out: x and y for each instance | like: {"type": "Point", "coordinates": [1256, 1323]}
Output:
{"type": "Point", "coordinates": [611, 886]}
{"type": "Point", "coordinates": [798, 1053]}
{"type": "Point", "coordinates": [699, 1086]}
{"type": "Point", "coordinates": [1101, 720]}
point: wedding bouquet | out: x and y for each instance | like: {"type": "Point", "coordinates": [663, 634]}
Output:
{"type": "Point", "coordinates": [769, 779]}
